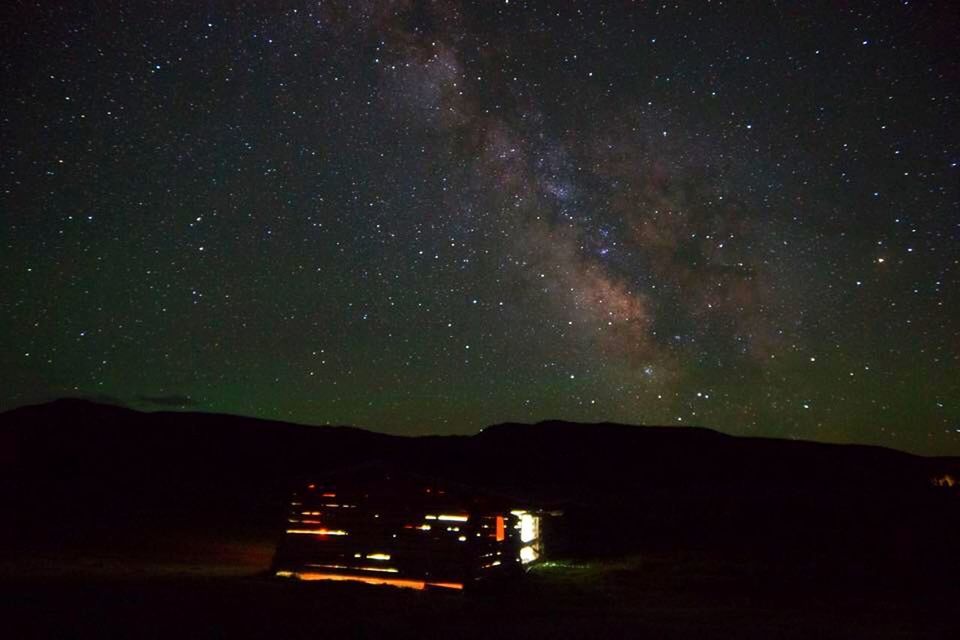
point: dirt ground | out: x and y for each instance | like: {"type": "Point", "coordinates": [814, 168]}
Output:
{"type": "Point", "coordinates": [189, 586]}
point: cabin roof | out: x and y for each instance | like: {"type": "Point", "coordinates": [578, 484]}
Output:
{"type": "Point", "coordinates": [383, 481]}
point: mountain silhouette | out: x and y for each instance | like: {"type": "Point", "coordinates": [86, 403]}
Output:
{"type": "Point", "coordinates": [74, 469]}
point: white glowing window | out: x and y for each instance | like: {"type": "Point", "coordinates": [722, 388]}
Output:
{"type": "Point", "coordinates": [380, 569]}
{"type": "Point", "coordinates": [527, 554]}
{"type": "Point", "coordinates": [528, 528]}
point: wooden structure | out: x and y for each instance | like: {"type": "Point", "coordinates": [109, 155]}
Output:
{"type": "Point", "coordinates": [382, 527]}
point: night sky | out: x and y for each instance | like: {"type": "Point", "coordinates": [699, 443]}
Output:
{"type": "Point", "coordinates": [426, 217]}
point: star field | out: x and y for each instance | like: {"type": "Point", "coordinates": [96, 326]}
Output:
{"type": "Point", "coordinates": [427, 217]}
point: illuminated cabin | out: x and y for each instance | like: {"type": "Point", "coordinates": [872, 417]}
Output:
{"type": "Point", "coordinates": [393, 529]}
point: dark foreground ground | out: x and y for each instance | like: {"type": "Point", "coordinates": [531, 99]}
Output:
{"type": "Point", "coordinates": [188, 587]}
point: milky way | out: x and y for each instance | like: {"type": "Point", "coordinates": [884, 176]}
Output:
{"type": "Point", "coordinates": [426, 217]}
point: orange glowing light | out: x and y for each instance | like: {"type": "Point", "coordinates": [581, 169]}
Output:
{"type": "Point", "coordinates": [318, 532]}
{"type": "Point", "coordinates": [501, 529]}
{"type": "Point", "coordinates": [395, 582]}
{"type": "Point", "coordinates": [946, 480]}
